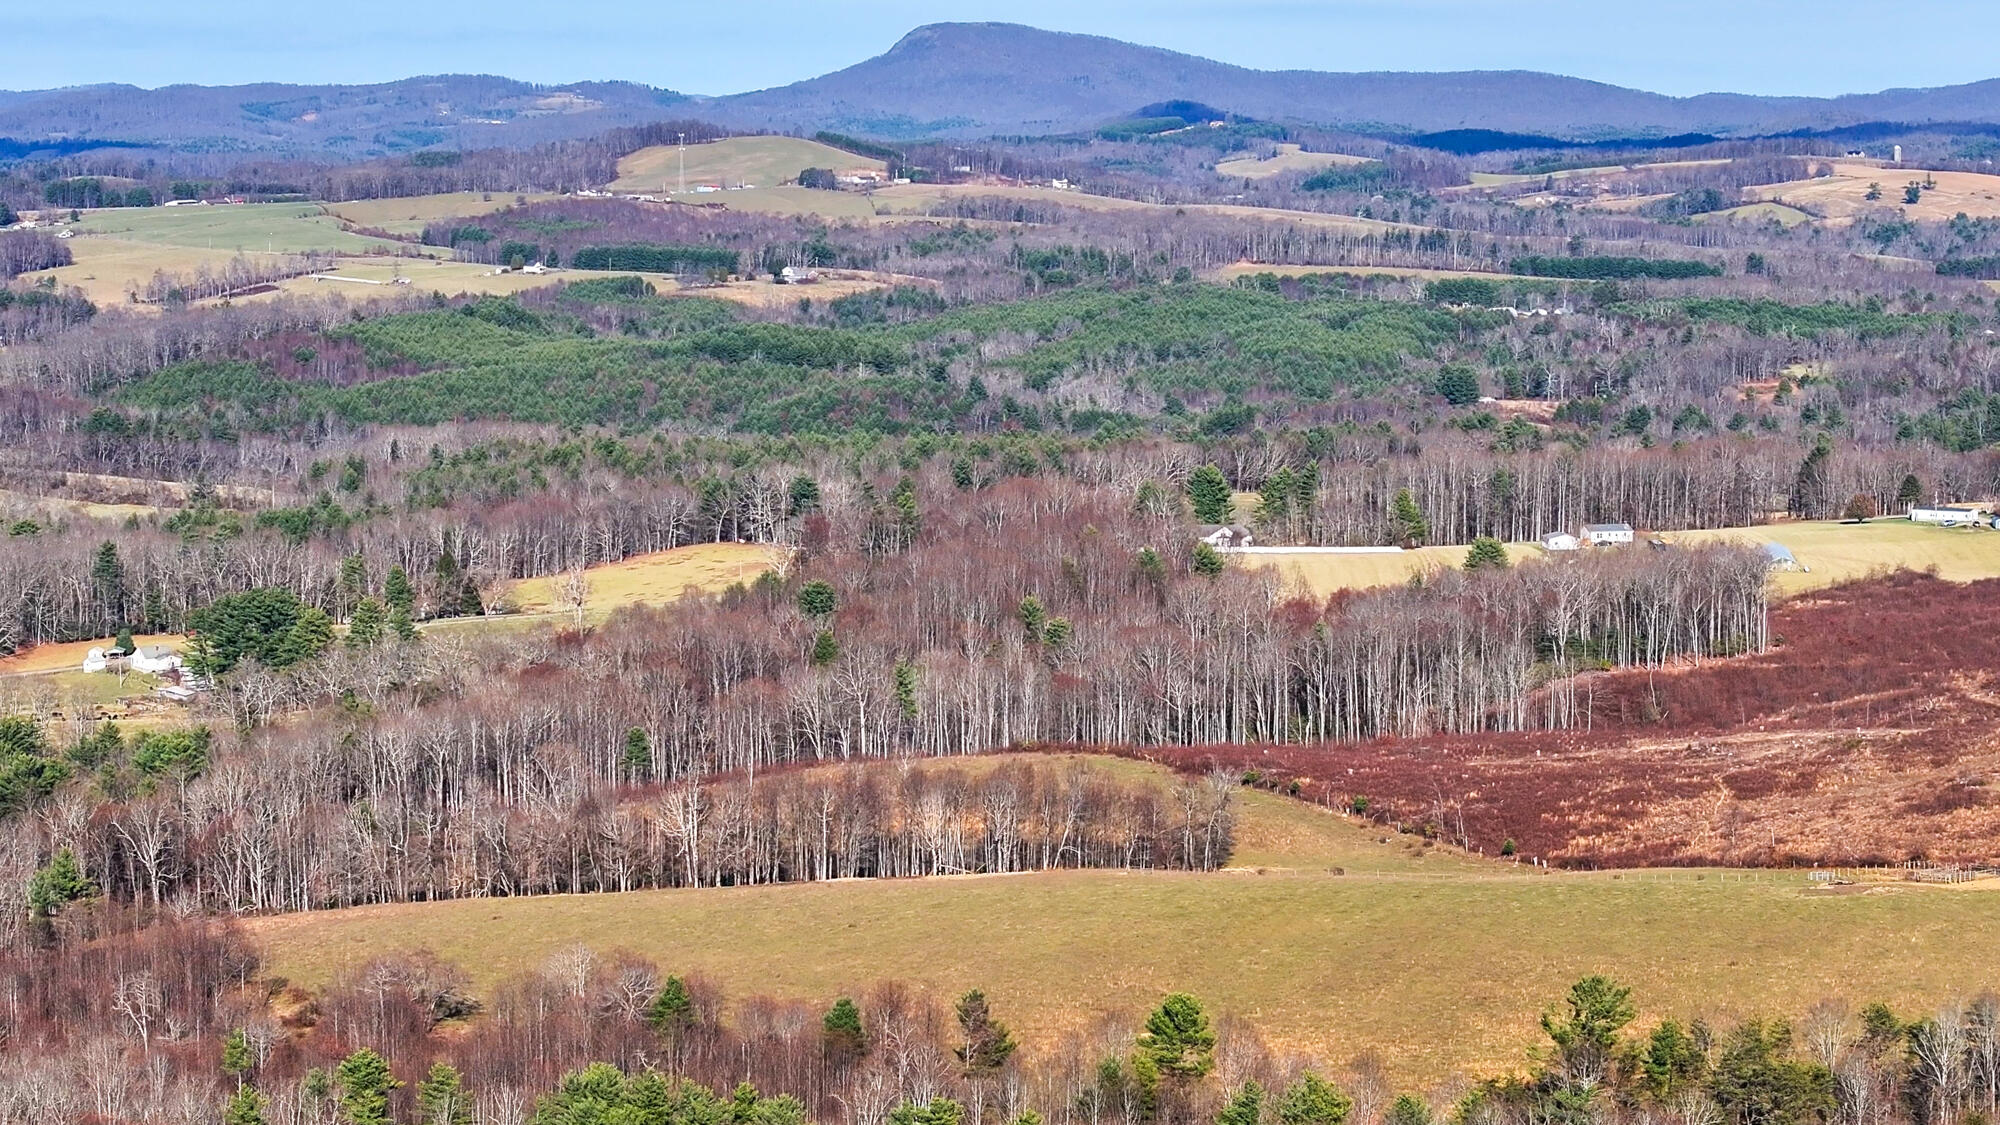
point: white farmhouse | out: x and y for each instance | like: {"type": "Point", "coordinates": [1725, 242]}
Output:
{"type": "Point", "coordinates": [1607, 534]}
{"type": "Point", "coordinates": [1948, 515]}
{"type": "Point", "coordinates": [1223, 537]}
{"type": "Point", "coordinates": [1560, 541]}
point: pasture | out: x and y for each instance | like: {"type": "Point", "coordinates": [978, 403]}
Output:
{"type": "Point", "coordinates": [1843, 196]}
{"type": "Point", "coordinates": [410, 214]}
{"type": "Point", "coordinates": [760, 162]}
{"type": "Point", "coordinates": [1329, 936]}
{"type": "Point", "coordinates": [1831, 552]}
{"type": "Point", "coordinates": [1839, 552]}
{"type": "Point", "coordinates": [1289, 158]}
{"type": "Point", "coordinates": [1779, 213]}
{"type": "Point", "coordinates": [272, 228]}
{"type": "Point", "coordinates": [653, 579]}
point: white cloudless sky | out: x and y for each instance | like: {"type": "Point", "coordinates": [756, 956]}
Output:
{"type": "Point", "coordinates": [1678, 47]}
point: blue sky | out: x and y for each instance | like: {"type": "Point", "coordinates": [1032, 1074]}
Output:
{"type": "Point", "coordinates": [720, 46]}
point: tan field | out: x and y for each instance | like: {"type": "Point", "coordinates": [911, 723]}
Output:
{"type": "Point", "coordinates": [760, 162]}
{"type": "Point", "coordinates": [1290, 158]}
{"type": "Point", "coordinates": [1830, 551]}
{"type": "Point", "coordinates": [653, 579]}
{"type": "Point", "coordinates": [1759, 213]}
{"type": "Point", "coordinates": [1250, 269]}
{"type": "Point", "coordinates": [410, 214]}
{"type": "Point", "coordinates": [1321, 575]}
{"type": "Point", "coordinates": [69, 656]}
{"type": "Point", "coordinates": [1836, 552]}
{"type": "Point", "coordinates": [1843, 196]}
{"type": "Point", "coordinates": [925, 198]}
{"type": "Point", "coordinates": [1329, 937]}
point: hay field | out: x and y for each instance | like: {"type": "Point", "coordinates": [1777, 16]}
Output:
{"type": "Point", "coordinates": [919, 199]}
{"type": "Point", "coordinates": [68, 656]}
{"type": "Point", "coordinates": [1838, 552]}
{"type": "Point", "coordinates": [277, 228]}
{"type": "Point", "coordinates": [1842, 196]}
{"type": "Point", "coordinates": [1758, 213]}
{"type": "Point", "coordinates": [760, 162]}
{"type": "Point", "coordinates": [1405, 943]}
{"type": "Point", "coordinates": [1321, 575]}
{"type": "Point", "coordinates": [1290, 158]}
{"type": "Point", "coordinates": [1235, 270]}
{"type": "Point", "coordinates": [653, 579]}
{"type": "Point", "coordinates": [427, 275]}
{"type": "Point", "coordinates": [410, 214]}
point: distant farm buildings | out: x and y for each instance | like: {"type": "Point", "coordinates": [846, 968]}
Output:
{"type": "Point", "coordinates": [1780, 557]}
{"type": "Point", "coordinates": [1561, 541]}
{"type": "Point", "coordinates": [149, 659]}
{"type": "Point", "coordinates": [1953, 515]}
{"type": "Point", "coordinates": [1224, 537]}
{"type": "Point", "coordinates": [1607, 534]}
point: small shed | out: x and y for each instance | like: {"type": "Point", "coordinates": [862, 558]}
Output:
{"type": "Point", "coordinates": [1948, 515]}
{"type": "Point", "coordinates": [1780, 557]}
{"type": "Point", "coordinates": [1224, 537]}
{"type": "Point", "coordinates": [1560, 541]}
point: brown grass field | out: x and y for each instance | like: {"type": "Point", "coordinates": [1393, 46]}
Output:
{"type": "Point", "coordinates": [1831, 552]}
{"type": "Point", "coordinates": [1842, 197]}
{"type": "Point", "coordinates": [653, 579]}
{"type": "Point", "coordinates": [69, 656]}
{"type": "Point", "coordinates": [760, 162]}
{"type": "Point", "coordinates": [410, 214]}
{"type": "Point", "coordinates": [1329, 936]}
{"type": "Point", "coordinates": [1290, 158]}
{"type": "Point", "coordinates": [1235, 270]}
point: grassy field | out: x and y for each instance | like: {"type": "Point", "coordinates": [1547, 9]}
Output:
{"type": "Point", "coordinates": [1836, 552]}
{"type": "Point", "coordinates": [1844, 195]}
{"type": "Point", "coordinates": [69, 656]}
{"type": "Point", "coordinates": [279, 228]}
{"type": "Point", "coordinates": [653, 579]}
{"type": "Point", "coordinates": [1758, 213]}
{"type": "Point", "coordinates": [761, 162]}
{"type": "Point", "coordinates": [1235, 270]}
{"type": "Point", "coordinates": [1290, 158]}
{"type": "Point", "coordinates": [1438, 961]}
{"type": "Point", "coordinates": [1830, 551]}
{"type": "Point", "coordinates": [410, 214]}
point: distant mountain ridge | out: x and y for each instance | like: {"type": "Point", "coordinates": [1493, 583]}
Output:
{"type": "Point", "coordinates": [963, 80]}
{"type": "Point", "coordinates": [976, 79]}
{"type": "Point", "coordinates": [456, 111]}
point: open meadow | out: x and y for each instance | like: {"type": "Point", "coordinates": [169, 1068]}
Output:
{"type": "Point", "coordinates": [1289, 158]}
{"type": "Point", "coordinates": [1843, 196]}
{"type": "Point", "coordinates": [1828, 551]}
{"type": "Point", "coordinates": [410, 214]}
{"type": "Point", "coordinates": [1327, 935]}
{"type": "Point", "coordinates": [653, 579]}
{"type": "Point", "coordinates": [758, 162]}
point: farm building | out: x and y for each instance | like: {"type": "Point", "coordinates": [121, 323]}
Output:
{"type": "Point", "coordinates": [1560, 541]}
{"type": "Point", "coordinates": [152, 659]}
{"type": "Point", "coordinates": [1225, 536]}
{"type": "Point", "coordinates": [1780, 557]}
{"type": "Point", "coordinates": [1607, 534]}
{"type": "Point", "coordinates": [1953, 515]}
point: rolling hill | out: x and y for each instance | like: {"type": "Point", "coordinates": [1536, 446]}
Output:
{"type": "Point", "coordinates": [972, 79]}
{"type": "Point", "coordinates": [940, 80]}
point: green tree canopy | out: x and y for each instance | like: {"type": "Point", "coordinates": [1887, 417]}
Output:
{"type": "Point", "coordinates": [1208, 493]}
{"type": "Point", "coordinates": [1178, 1039]}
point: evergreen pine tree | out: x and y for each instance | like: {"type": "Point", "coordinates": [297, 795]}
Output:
{"type": "Point", "coordinates": [1410, 525]}
{"type": "Point", "coordinates": [1487, 553]}
{"type": "Point", "coordinates": [1208, 494]}
{"type": "Point", "coordinates": [985, 1044]}
{"type": "Point", "coordinates": [1245, 1107]}
{"type": "Point", "coordinates": [1313, 1100]}
{"type": "Point", "coordinates": [672, 1010]}
{"type": "Point", "coordinates": [906, 688]}
{"type": "Point", "coordinates": [365, 1084]}
{"type": "Point", "coordinates": [441, 1098]}
{"type": "Point", "coordinates": [236, 1056]}
{"type": "Point", "coordinates": [57, 885]}
{"type": "Point", "coordinates": [124, 645]}
{"type": "Point", "coordinates": [826, 649]}
{"type": "Point", "coordinates": [1179, 1040]}
{"type": "Point", "coordinates": [246, 1107]}
{"type": "Point", "coordinates": [1208, 561]}
{"type": "Point", "coordinates": [842, 1033]}
{"type": "Point", "coordinates": [397, 592]}
{"type": "Point", "coordinates": [365, 628]}
{"type": "Point", "coordinates": [638, 754]}
{"type": "Point", "coordinates": [401, 625]}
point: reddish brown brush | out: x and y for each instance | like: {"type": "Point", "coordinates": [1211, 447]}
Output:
{"type": "Point", "coordinates": [1866, 736]}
